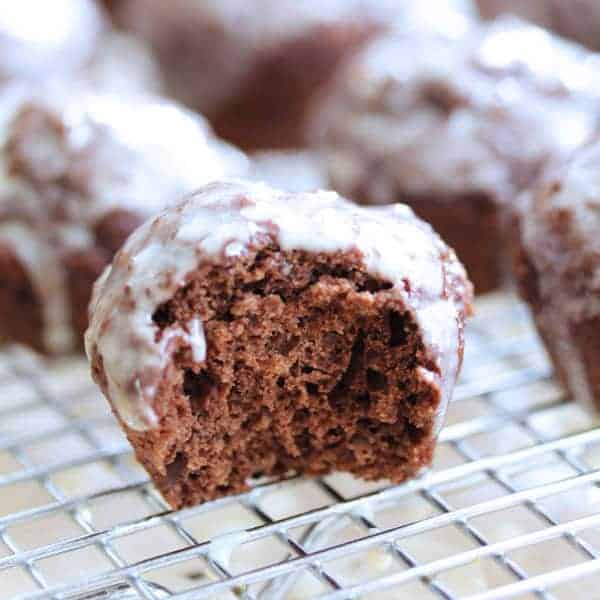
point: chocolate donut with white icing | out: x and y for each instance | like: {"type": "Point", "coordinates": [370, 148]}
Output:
{"type": "Point", "coordinates": [458, 126]}
{"type": "Point", "coordinates": [79, 170]}
{"type": "Point", "coordinates": [70, 39]}
{"type": "Point", "coordinates": [557, 262]}
{"type": "Point", "coordinates": [253, 331]}
{"type": "Point", "coordinates": [254, 67]}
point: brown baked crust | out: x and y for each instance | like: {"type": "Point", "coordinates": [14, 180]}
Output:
{"type": "Point", "coordinates": [587, 336]}
{"type": "Point", "coordinates": [113, 228]}
{"type": "Point", "coordinates": [311, 369]}
{"type": "Point", "coordinates": [473, 229]}
{"type": "Point", "coordinates": [20, 305]}
{"type": "Point", "coordinates": [271, 108]}
{"type": "Point", "coordinates": [21, 318]}
{"type": "Point", "coordinates": [82, 268]}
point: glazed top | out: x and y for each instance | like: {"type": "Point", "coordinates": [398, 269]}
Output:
{"type": "Point", "coordinates": [227, 37]}
{"type": "Point", "coordinates": [222, 221]}
{"type": "Point", "coordinates": [69, 156]}
{"type": "Point", "coordinates": [481, 111]}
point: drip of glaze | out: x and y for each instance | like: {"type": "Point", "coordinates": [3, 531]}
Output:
{"type": "Point", "coordinates": [197, 340]}
{"type": "Point", "coordinates": [222, 547]}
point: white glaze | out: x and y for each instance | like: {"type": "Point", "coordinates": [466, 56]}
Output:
{"type": "Point", "coordinates": [123, 64]}
{"type": "Point", "coordinates": [71, 39]}
{"type": "Point", "coordinates": [227, 218]}
{"type": "Point", "coordinates": [294, 171]}
{"type": "Point", "coordinates": [197, 340]}
{"type": "Point", "coordinates": [37, 38]}
{"type": "Point", "coordinates": [580, 192]}
{"type": "Point", "coordinates": [223, 546]}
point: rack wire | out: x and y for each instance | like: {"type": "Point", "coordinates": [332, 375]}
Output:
{"type": "Point", "coordinates": [510, 508]}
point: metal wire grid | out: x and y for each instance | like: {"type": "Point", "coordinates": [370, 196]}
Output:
{"type": "Point", "coordinates": [510, 508]}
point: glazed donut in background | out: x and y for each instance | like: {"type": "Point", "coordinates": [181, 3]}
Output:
{"type": "Point", "coordinates": [79, 170]}
{"type": "Point", "coordinates": [457, 127]}
{"type": "Point", "coordinates": [557, 264]}
{"type": "Point", "coordinates": [254, 67]}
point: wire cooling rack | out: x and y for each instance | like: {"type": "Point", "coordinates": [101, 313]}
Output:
{"type": "Point", "coordinates": [511, 508]}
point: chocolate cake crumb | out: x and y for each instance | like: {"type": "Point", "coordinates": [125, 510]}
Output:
{"type": "Point", "coordinates": [302, 379]}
